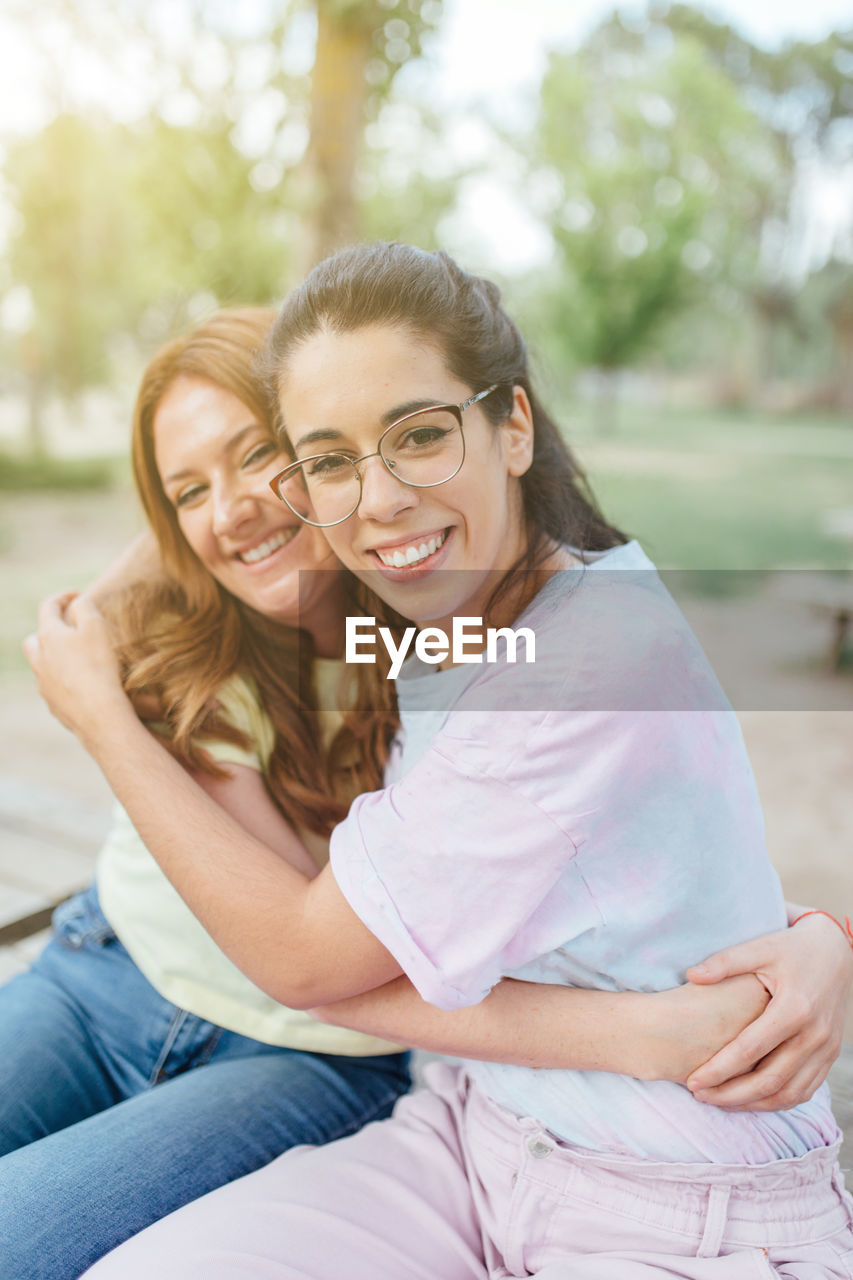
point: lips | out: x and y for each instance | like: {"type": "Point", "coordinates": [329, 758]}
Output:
{"type": "Point", "coordinates": [263, 550]}
{"type": "Point", "coordinates": [396, 563]}
{"type": "Point", "coordinates": [411, 553]}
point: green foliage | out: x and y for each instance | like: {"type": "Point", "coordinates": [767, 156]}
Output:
{"type": "Point", "coordinates": [120, 228]}
{"type": "Point", "coordinates": [801, 90]}
{"type": "Point", "coordinates": [650, 156]}
{"type": "Point", "coordinates": [200, 221]}
{"type": "Point", "coordinates": [24, 474]}
{"type": "Point", "coordinates": [129, 231]}
{"type": "Point", "coordinates": [73, 244]}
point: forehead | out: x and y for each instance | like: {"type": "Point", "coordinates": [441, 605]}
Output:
{"type": "Point", "coordinates": [196, 415]}
{"type": "Point", "coordinates": [344, 380]}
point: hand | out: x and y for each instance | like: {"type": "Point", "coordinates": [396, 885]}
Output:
{"type": "Point", "coordinates": [782, 1057]}
{"type": "Point", "coordinates": [686, 1027]}
{"type": "Point", "coordinates": [73, 660]}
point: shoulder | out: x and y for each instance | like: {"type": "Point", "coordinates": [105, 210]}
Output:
{"type": "Point", "coordinates": [608, 637]}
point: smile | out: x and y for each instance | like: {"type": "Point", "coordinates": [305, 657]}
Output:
{"type": "Point", "coordinates": [411, 553]}
{"type": "Point", "coordinates": [265, 549]}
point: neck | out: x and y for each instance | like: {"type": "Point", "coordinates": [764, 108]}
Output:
{"type": "Point", "coordinates": [506, 593]}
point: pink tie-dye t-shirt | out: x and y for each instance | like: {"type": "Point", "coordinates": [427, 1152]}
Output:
{"type": "Point", "coordinates": [590, 820]}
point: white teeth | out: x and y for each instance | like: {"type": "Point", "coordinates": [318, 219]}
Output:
{"type": "Point", "coordinates": [267, 548]}
{"type": "Point", "coordinates": [412, 555]}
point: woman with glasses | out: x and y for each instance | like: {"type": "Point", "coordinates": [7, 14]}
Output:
{"type": "Point", "coordinates": [139, 1067]}
{"type": "Point", "coordinates": [589, 821]}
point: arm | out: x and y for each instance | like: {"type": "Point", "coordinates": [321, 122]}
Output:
{"type": "Point", "coordinates": [251, 892]}
{"type": "Point", "coordinates": [243, 795]}
{"type": "Point", "coordinates": [299, 941]}
{"type": "Point", "coordinates": [138, 562]}
{"type": "Point", "coordinates": [657, 1036]}
{"type": "Point", "coordinates": [660, 1036]}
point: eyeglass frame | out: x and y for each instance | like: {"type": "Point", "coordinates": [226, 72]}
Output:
{"type": "Point", "coordinates": [456, 409]}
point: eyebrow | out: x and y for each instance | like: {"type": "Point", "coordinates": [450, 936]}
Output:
{"type": "Point", "coordinates": [234, 443]}
{"type": "Point", "coordinates": [389, 417]}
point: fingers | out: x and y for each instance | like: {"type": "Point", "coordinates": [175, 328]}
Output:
{"type": "Point", "coordinates": [753, 1044]}
{"type": "Point", "coordinates": [52, 610]}
{"type": "Point", "coordinates": [797, 1091]}
{"type": "Point", "coordinates": [82, 609]}
{"type": "Point", "coordinates": [780, 1081]}
{"type": "Point", "coordinates": [30, 647]}
{"type": "Point", "coordinates": [746, 957]}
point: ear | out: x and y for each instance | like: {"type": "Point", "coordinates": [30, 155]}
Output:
{"type": "Point", "coordinates": [518, 434]}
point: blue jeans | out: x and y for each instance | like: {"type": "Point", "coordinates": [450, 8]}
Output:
{"type": "Point", "coordinates": [117, 1107]}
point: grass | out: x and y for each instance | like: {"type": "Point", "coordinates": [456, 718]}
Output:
{"type": "Point", "coordinates": [705, 491]}
{"type": "Point", "coordinates": [24, 474]}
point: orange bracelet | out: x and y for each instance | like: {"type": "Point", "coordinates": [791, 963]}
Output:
{"type": "Point", "coordinates": [845, 928]}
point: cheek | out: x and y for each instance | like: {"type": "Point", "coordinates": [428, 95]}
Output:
{"type": "Point", "coordinates": [338, 545]}
{"type": "Point", "coordinates": [196, 533]}
{"type": "Point", "coordinates": [323, 555]}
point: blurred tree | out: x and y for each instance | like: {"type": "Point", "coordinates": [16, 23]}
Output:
{"type": "Point", "coordinates": [199, 196]}
{"type": "Point", "coordinates": [70, 250]}
{"type": "Point", "coordinates": [802, 92]}
{"type": "Point", "coordinates": [121, 229]}
{"type": "Point", "coordinates": [646, 163]}
{"type": "Point", "coordinates": [840, 314]}
{"type": "Point", "coordinates": [802, 89]}
{"type": "Point", "coordinates": [360, 46]}
{"type": "Point", "coordinates": [207, 234]}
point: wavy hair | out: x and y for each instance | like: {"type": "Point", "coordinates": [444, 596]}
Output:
{"type": "Point", "coordinates": [184, 636]}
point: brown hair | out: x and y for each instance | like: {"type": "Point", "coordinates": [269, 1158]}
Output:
{"type": "Point", "coordinates": [461, 315]}
{"type": "Point", "coordinates": [184, 636]}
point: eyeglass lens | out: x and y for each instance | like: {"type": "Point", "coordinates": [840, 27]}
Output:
{"type": "Point", "coordinates": [423, 450]}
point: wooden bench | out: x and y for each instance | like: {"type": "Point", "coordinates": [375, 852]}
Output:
{"type": "Point", "coordinates": [48, 845]}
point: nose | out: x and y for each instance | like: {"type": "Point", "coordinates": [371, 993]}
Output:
{"type": "Point", "coordinates": [383, 496]}
{"type": "Point", "coordinates": [233, 505]}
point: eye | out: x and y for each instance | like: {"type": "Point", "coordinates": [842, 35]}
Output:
{"type": "Point", "coordinates": [328, 465]}
{"type": "Point", "coordinates": [260, 453]}
{"type": "Point", "coordinates": [187, 497]}
{"type": "Point", "coordinates": [422, 437]}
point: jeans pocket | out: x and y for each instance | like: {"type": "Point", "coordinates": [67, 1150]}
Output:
{"type": "Point", "coordinates": [80, 922]}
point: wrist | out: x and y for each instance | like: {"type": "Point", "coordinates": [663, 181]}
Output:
{"type": "Point", "coordinates": [108, 719]}
{"type": "Point", "coordinates": [815, 917]}
{"type": "Point", "coordinates": [646, 1022]}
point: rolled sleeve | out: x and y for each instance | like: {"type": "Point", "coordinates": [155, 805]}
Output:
{"type": "Point", "coordinates": [459, 874]}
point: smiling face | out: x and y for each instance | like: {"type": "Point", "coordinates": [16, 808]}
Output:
{"type": "Point", "coordinates": [215, 457]}
{"type": "Point", "coordinates": [339, 392]}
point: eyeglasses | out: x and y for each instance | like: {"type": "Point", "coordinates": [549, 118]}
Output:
{"type": "Point", "coordinates": [422, 449]}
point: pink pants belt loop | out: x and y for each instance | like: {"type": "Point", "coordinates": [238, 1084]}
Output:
{"type": "Point", "coordinates": [715, 1223]}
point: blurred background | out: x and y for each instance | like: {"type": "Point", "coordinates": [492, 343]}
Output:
{"type": "Point", "coordinates": [664, 191]}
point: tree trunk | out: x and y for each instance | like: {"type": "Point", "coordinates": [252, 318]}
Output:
{"type": "Point", "coordinates": [338, 101]}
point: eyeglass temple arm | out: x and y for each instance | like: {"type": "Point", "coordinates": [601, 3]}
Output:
{"type": "Point", "coordinates": [466, 404]}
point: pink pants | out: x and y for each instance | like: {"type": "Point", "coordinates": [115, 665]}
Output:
{"type": "Point", "coordinates": [454, 1188]}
